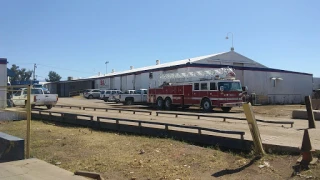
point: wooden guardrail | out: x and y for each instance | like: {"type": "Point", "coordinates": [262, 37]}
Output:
{"type": "Point", "coordinates": [224, 117]}
{"type": "Point", "coordinates": [167, 126]}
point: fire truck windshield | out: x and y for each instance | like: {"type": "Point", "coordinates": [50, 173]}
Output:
{"type": "Point", "coordinates": [230, 86]}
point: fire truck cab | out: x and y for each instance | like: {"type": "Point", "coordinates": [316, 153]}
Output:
{"type": "Point", "coordinates": [222, 92]}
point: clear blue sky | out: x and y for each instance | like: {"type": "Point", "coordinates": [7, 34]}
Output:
{"type": "Point", "coordinates": [76, 37]}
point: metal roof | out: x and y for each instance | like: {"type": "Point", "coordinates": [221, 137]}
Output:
{"type": "Point", "coordinates": [169, 64]}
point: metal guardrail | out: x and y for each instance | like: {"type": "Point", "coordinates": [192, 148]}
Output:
{"type": "Point", "coordinates": [167, 125]}
{"type": "Point", "coordinates": [119, 110]}
{"type": "Point", "coordinates": [62, 106]}
{"type": "Point", "coordinates": [176, 114]}
{"type": "Point", "coordinates": [225, 118]}
{"type": "Point", "coordinates": [134, 111]}
{"type": "Point", "coordinates": [64, 114]}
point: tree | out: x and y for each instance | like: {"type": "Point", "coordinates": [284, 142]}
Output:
{"type": "Point", "coordinates": [25, 75]}
{"type": "Point", "coordinates": [20, 74]}
{"type": "Point", "coordinates": [53, 77]}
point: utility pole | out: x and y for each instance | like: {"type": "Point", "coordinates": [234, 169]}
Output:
{"type": "Point", "coordinates": [34, 72]}
{"type": "Point", "coordinates": [106, 66]}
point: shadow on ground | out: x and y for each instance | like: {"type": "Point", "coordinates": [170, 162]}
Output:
{"type": "Point", "coordinates": [233, 171]}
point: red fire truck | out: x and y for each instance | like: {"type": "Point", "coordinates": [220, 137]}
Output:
{"type": "Point", "coordinates": [208, 89]}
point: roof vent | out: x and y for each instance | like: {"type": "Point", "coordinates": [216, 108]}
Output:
{"type": "Point", "coordinates": [131, 67]}
{"type": "Point", "coordinates": [70, 78]}
{"type": "Point", "coordinates": [112, 71]}
{"type": "Point", "coordinates": [157, 62]}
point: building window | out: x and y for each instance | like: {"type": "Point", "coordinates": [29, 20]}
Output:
{"type": "Point", "coordinates": [204, 86]}
{"type": "Point", "coordinates": [196, 86]}
{"type": "Point", "coordinates": [213, 86]}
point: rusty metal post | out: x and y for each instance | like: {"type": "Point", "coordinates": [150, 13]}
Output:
{"type": "Point", "coordinates": [253, 128]}
{"type": "Point", "coordinates": [311, 121]}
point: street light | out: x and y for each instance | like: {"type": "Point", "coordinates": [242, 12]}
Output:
{"type": "Point", "coordinates": [106, 66]}
{"type": "Point", "coordinates": [232, 48]}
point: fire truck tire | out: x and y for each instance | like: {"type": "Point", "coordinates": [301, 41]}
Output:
{"type": "Point", "coordinates": [226, 109]}
{"type": "Point", "coordinates": [159, 103]}
{"type": "Point", "coordinates": [206, 105]}
{"type": "Point", "coordinates": [168, 103]}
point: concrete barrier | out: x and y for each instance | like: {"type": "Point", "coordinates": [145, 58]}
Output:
{"type": "Point", "coordinates": [197, 138]}
{"type": "Point", "coordinates": [316, 104]}
{"type": "Point", "coordinates": [302, 114]}
{"type": "Point", "coordinates": [7, 115]}
{"type": "Point", "coordinates": [11, 148]}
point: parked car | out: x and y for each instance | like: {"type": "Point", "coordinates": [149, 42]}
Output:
{"type": "Point", "coordinates": [139, 96]}
{"type": "Point", "coordinates": [91, 93]}
{"type": "Point", "coordinates": [45, 90]}
{"type": "Point", "coordinates": [129, 92]}
{"type": "Point", "coordinates": [110, 95]}
{"type": "Point", "coordinates": [38, 98]}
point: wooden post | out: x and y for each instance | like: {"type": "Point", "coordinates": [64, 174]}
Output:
{"type": "Point", "coordinates": [28, 106]}
{"type": "Point", "coordinates": [253, 128]}
{"type": "Point", "coordinates": [312, 123]}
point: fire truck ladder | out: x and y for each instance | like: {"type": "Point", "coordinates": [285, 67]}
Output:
{"type": "Point", "coordinates": [222, 73]}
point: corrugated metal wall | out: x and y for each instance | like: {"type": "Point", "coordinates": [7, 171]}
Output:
{"type": "Point", "coordinates": [316, 83]}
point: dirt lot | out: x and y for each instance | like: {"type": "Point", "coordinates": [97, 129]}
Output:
{"type": "Point", "coordinates": [118, 156]}
{"type": "Point", "coordinates": [280, 111]}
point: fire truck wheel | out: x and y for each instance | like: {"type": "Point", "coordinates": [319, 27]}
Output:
{"type": "Point", "coordinates": [168, 104]}
{"type": "Point", "coordinates": [206, 105]}
{"type": "Point", "coordinates": [159, 103]}
{"type": "Point", "coordinates": [226, 109]}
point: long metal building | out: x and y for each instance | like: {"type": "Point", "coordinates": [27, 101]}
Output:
{"type": "Point", "coordinates": [271, 86]}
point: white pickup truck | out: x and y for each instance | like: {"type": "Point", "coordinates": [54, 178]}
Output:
{"type": "Point", "coordinates": [139, 96]}
{"type": "Point", "coordinates": [37, 98]}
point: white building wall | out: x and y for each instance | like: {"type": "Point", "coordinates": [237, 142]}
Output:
{"type": "Point", "coordinates": [117, 82]}
{"type": "Point", "coordinates": [144, 80]}
{"type": "Point", "coordinates": [3, 84]}
{"type": "Point", "coordinates": [102, 83]}
{"type": "Point", "coordinates": [137, 82]}
{"type": "Point", "coordinates": [291, 89]}
{"type": "Point", "coordinates": [130, 82]}
{"type": "Point", "coordinates": [316, 83]}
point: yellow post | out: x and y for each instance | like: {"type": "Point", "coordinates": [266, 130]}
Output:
{"type": "Point", "coordinates": [28, 107]}
{"type": "Point", "coordinates": [253, 128]}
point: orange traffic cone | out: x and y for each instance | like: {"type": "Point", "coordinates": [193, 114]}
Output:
{"type": "Point", "coordinates": [306, 150]}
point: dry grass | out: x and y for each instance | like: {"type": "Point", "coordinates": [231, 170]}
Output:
{"type": "Point", "coordinates": [118, 156]}
{"type": "Point", "coordinates": [280, 111]}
